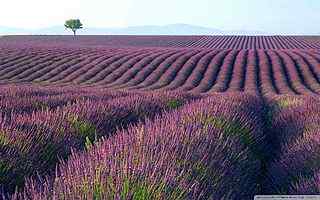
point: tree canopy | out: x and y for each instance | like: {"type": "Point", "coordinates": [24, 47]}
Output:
{"type": "Point", "coordinates": [74, 25]}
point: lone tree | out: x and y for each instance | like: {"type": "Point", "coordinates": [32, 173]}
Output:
{"type": "Point", "coordinates": [73, 24]}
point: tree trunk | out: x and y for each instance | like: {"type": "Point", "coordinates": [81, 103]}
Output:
{"type": "Point", "coordinates": [74, 32]}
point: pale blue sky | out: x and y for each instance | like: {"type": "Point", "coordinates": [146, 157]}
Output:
{"type": "Point", "coordinates": [272, 16]}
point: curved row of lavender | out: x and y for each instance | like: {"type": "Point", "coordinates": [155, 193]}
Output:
{"type": "Point", "coordinates": [263, 72]}
{"type": "Point", "coordinates": [107, 144]}
{"type": "Point", "coordinates": [211, 149]}
{"type": "Point", "coordinates": [295, 167]}
{"type": "Point", "coordinates": [229, 146]}
{"type": "Point", "coordinates": [39, 125]}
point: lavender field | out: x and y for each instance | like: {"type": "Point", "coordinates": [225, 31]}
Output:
{"type": "Point", "coordinates": [159, 117]}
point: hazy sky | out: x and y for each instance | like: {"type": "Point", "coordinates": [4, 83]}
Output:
{"type": "Point", "coordinates": [272, 16]}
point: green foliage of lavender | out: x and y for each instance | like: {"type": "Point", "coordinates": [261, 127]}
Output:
{"type": "Point", "coordinates": [177, 156]}
{"type": "Point", "coordinates": [34, 140]}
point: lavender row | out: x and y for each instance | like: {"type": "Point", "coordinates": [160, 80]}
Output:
{"type": "Point", "coordinates": [206, 150]}
{"type": "Point", "coordinates": [34, 143]}
{"type": "Point", "coordinates": [295, 166]}
{"type": "Point", "coordinates": [30, 98]}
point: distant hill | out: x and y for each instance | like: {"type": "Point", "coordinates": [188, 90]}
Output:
{"type": "Point", "coordinates": [171, 29]}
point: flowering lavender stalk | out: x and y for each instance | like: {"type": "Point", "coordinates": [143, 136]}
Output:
{"type": "Point", "coordinates": [206, 150]}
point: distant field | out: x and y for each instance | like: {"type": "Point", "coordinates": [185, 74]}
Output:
{"type": "Point", "coordinates": [262, 65]}
{"type": "Point", "coordinates": [216, 42]}
{"type": "Point", "coordinates": [159, 117]}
